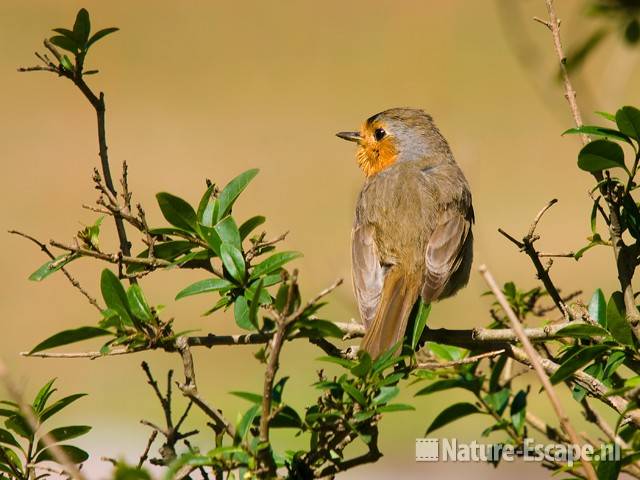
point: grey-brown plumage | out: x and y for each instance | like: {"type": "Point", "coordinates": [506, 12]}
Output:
{"type": "Point", "coordinates": [412, 231]}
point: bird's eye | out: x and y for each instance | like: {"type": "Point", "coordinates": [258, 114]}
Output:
{"type": "Point", "coordinates": [379, 134]}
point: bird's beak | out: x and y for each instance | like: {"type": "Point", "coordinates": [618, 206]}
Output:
{"type": "Point", "coordinates": [350, 136]}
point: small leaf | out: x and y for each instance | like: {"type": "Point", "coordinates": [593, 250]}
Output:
{"type": "Point", "coordinates": [353, 392]}
{"type": "Point", "coordinates": [51, 266]}
{"type": "Point", "coordinates": [251, 397]}
{"type": "Point", "coordinates": [273, 263]}
{"type": "Point", "coordinates": [386, 394]}
{"type": "Point", "coordinates": [82, 26]}
{"type": "Point", "coordinates": [395, 407]}
{"type": "Point", "coordinates": [598, 308]}
{"type": "Point", "coordinates": [419, 323]}
{"type": "Point", "coordinates": [75, 454]}
{"type": "Point", "coordinates": [204, 286]}
{"type": "Point", "coordinates": [138, 304]}
{"type": "Point", "coordinates": [66, 433]}
{"type": "Point", "coordinates": [582, 330]}
{"type": "Point", "coordinates": [599, 132]}
{"type": "Point", "coordinates": [233, 189]}
{"type": "Point", "coordinates": [247, 227]}
{"type": "Point", "coordinates": [115, 296]}
{"type": "Point", "coordinates": [600, 155]}
{"type": "Point", "coordinates": [253, 310]}
{"type": "Point", "coordinates": [66, 63]}
{"type": "Point", "coordinates": [245, 423]}
{"type": "Point", "coordinates": [519, 410]}
{"type": "Point", "coordinates": [448, 383]}
{"type": "Point", "coordinates": [578, 360]}
{"type": "Point", "coordinates": [241, 313]}
{"type": "Point", "coordinates": [233, 261]}
{"type": "Point", "coordinates": [628, 121]}
{"type": "Point", "coordinates": [100, 34]}
{"type": "Point", "coordinates": [70, 336]}
{"type": "Point", "coordinates": [177, 211]}
{"type": "Point", "coordinates": [59, 405]}
{"type": "Point", "coordinates": [206, 207]}
{"type": "Point", "coordinates": [8, 439]}
{"type": "Point", "coordinates": [617, 322]}
{"type": "Point", "coordinates": [452, 413]}
{"type": "Point", "coordinates": [43, 395]}
{"type": "Point", "coordinates": [363, 367]}
{"type": "Point", "coordinates": [228, 232]}
{"type": "Point", "coordinates": [65, 43]}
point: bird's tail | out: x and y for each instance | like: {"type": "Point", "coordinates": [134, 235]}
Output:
{"type": "Point", "coordinates": [399, 293]}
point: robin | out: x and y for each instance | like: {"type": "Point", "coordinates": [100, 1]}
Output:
{"type": "Point", "coordinates": [412, 234]}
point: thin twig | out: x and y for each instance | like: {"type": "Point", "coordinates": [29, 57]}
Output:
{"type": "Point", "coordinates": [456, 363]}
{"type": "Point", "coordinates": [534, 358]}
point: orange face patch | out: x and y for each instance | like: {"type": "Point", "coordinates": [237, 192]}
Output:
{"type": "Point", "coordinates": [375, 155]}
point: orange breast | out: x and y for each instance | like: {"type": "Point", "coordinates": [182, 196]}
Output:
{"type": "Point", "coordinates": [372, 159]}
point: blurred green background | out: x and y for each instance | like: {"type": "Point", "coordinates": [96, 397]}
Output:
{"type": "Point", "coordinates": [199, 90]}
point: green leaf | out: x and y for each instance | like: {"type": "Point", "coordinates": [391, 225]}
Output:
{"type": "Point", "coordinates": [241, 313]}
{"type": "Point", "coordinates": [177, 211]}
{"type": "Point", "coordinates": [43, 395]}
{"type": "Point", "coordinates": [287, 417]}
{"type": "Point", "coordinates": [578, 360]}
{"type": "Point", "coordinates": [233, 261]}
{"type": "Point", "coordinates": [233, 189]}
{"type": "Point", "coordinates": [82, 26]}
{"type": "Point", "coordinates": [273, 263]}
{"type": "Point", "coordinates": [138, 304]}
{"type": "Point", "coordinates": [19, 425]}
{"type": "Point", "coordinates": [206, 207]}
{"type": "Point", "coordinates": [66, 433]}
{"type": "Point", "coordinates": [617, 322]}
{"type": "Point", "coordinates": [448, 383]}
{"type": "Point", "coordinates": [451, 414]}
{"type": "Point", "coordinates": [115, 296]}
{"type": "Point", "coordinates": [343, 362]}
{"type": "Point", "coordinates": [228, 232]}
{"type": "Point", "coordinates": [75, 454]}
{"type": "Point", "coordinates": [70, 336]}
{"type": "Point", "coordinates": [245, 423]}
{"type": "Point", "coordinates": [51, 266]}
{"type": "Point", "coordinates": [253, 310]}
{"type": "Point", "coordinates": [582, 330]}
{"type": "Point", "coordinates": [608, 116]}
{"type": "Point", "coordinates": [628, 121]}
{"type": "Point", "coordinates": [519, 410]}
{"type": "Point", "coordinates": [386, 394]}
{"type": "Point", "coordinates": [251, 397]}
{"type": "Point", "coordinates": [7, 438]}
{"type": "Point", "coordinates": [445, 352]}
{"type": "Point", "coordinates": [101, 34]}
{"type": "Point", "coordinates": [598, 308]}
{"type": "Point", "coordinates": [600, 155]}
{"type": "Point", "coordinates": [66, 63]}
{"type": "Point", "coordinates": [419, 323]}
{"type": "Point", "coordinates": [353, 392]}
{"type": "Point", "coordinates": [65, 43]}
{"type": "Point", "coordinates": [599, 132]}
{"type": "Point", "coordinates": [59, 405]}
{"type": "Point", "coordinates": [247, 227]}
{"type": "Point", "coordinates": [204, 286]}
{"type": "Point", "coordinates": [363, 367]}
{"type": "Point", "coordinates": [395, 407]}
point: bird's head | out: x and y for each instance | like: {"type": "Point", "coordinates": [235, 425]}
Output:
{"type": "Point", "coordinates": [395, 135]}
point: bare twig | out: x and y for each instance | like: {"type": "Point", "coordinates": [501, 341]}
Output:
{"type": "Point", "coordinates": [534, 358]}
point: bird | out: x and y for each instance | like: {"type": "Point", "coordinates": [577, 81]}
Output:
{"type": "Point", "coordinates": [412, 233]}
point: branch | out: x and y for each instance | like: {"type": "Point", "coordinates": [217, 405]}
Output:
{"type": "Point", "coordinates": [625, 260]}
{"type": "Point", "coordinates": [535, 361]}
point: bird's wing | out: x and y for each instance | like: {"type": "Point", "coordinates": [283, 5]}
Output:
{"type": "Point", "coordinates": [444, 252]}
{"type": "Point", "coordinates": [367, 273]}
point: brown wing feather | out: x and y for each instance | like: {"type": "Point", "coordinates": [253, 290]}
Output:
{"type": "Point", "coordinates": [444, 255]}
{"type": "Point", "coordinates": [367, 273]}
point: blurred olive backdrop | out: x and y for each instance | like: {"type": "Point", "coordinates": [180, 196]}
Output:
{"type": "Point", "coordinates": [199, 90]}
